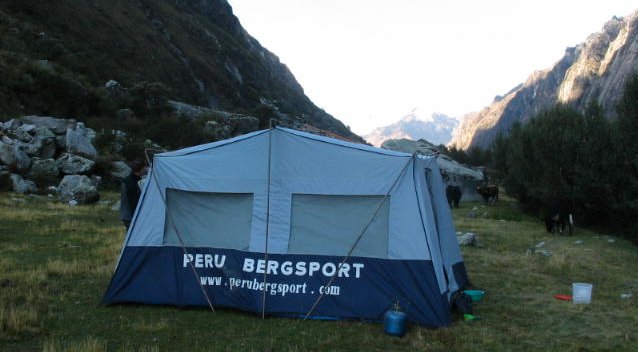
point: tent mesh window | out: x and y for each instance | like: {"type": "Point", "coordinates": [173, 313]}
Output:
{"type": "Point", "coordinates": [330, 225]}
{"type": "Point", "coordinates": [205, 219]}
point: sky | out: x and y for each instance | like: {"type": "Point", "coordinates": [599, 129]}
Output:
{"type": "Point", "coordinates": [368, 63]}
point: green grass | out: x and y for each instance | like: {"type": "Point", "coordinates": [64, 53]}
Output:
{"type": "Point", "coordinates": [56, 261]}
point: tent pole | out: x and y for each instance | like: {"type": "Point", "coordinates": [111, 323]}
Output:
{"type": "Point", "coordinates": [263, 297]}
{"type": "Point", "coordinates": [365, 228]}
{"type": "Point", "coordinates": [182, 244]}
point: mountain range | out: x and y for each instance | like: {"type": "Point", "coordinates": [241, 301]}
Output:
{"type": "Point", "coordinates": [56, 55]}
{"type": "Point", "coordinates": [436, 129]}
{"type": "Point", "coordinates": [593, 71]}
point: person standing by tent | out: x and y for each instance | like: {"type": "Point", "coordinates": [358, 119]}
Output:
{"type": "Point", "coordinates": [130, 191]}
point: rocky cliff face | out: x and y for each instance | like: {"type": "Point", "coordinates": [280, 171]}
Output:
{"type": "Point", "coordinates": [594, 71]}
{"type": "Point", "coordinates": [436, 129]}
{"type": "Point", "coordinates": [198, 49]}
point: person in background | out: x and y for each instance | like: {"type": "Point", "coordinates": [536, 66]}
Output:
{"type": "Point", "coordinates": [130, 191]}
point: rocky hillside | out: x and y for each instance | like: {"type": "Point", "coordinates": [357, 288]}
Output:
{"type": "Point", "coordinates": [436, 129]}
{"type": "Point", "coordinates": [594, 71]}
{"type": "Point", "coordinates": [57, 56]}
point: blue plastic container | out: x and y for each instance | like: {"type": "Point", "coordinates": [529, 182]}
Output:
{"type": "Point", "coordinates": [394, 322]}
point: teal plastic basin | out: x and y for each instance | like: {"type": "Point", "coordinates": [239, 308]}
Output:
{"type": "Point", "coordinates": [476, 295]}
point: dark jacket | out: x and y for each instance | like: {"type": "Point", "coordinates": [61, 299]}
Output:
{"type": "Point", "coordinates": [129, 196]}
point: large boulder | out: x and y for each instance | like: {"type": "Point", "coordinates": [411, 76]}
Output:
{"type": "Point", "coordinates": [79, 140]}
{"type": "Point", "coordinates": [71, 164]}
{"type": "Point", "coordinates": [45, 140]}
{"type": "Point", "coordinates": [7, 156]}
{"type": "Point", "coordinates": [12, 124]}
{"type": "Point", "coordinates": [78, 188]}
{"type": "Point", "coordinates": [57, 126]}
{"type": "Point", "coordinates": [44, 172]}
{"type": "Point", "coordinates": [20, 132]}
{"type": "Point", "coordinates": [22, 186]}
{"type": "Point", "coordinates": [13, 157]}
{"type": "Point", "coordinates": [120, 169]}
{"type": "Point", "coordinates": [23, 161]}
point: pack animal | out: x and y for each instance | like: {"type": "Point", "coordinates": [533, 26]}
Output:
{"type": "Point", "coordinates": [453, 194]}
{"type": "Point", "coordinates": [559, 218]}
{"type": "Point", "coordinates": [489, 193]}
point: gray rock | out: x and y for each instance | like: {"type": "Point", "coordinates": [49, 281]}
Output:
{"type": "Point", "coordinates": [12, 124]}
{"type": "Point", "coordinates": [544, 252]}
{"type": "Point", "coordinates": [22, 186]}
{"type": "Point", "coordinates": [112, 84]}
{"type": "Point", "coordinates": [32, 148]}
{"type": "Point", "coordinates": [120, 169]}
{"type": "Point", "coordinates": [23, 161]}
{"type": "Point", "coordinates": [467, 239]}
{"type": "Point", "coordinates": [44, 132]}
{"type": "Point", "coordinates": [115, 91]}
{"type": "Point", "coordinates": [57, 126]}
{"type": "Point", "coordinates": [79, 188]}
{"type": "Point", "coordinates": [28, 128]}
{"type": "Point", "coordinates": [19, 134]}
{"type": "Point", "coordinates": [43, 144]}
{"type": "Point", "coordinates": [7, 156]}
{"type": "Point", "coordinates": [7, 140]}
{"type": "Point", "coordinates": [44, 170]}
{"type": "Point", "coordinates": [71, 164]}
{"type": "Point", "coordinates": [53, 190]}
{"type": "Point", "coordinates": [48, 149]}
{"type": "Point", "coordinates": [60, 141]}
{"type": "Point", "coordinates": [96, 180]}
{"type": "Point", "coordinates": [116, 206]}
{"type": "Point", "coordinates": [79, 141]}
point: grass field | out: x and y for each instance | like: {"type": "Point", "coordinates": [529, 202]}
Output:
{"type": "Point", "coordinates": [56, 261]}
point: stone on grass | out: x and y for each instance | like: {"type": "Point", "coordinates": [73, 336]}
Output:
{"type": "Point", "coordinates": [467, 239]}
{"type": "Point", "coordinates": [79, 188]}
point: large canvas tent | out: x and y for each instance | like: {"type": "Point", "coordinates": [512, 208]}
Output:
{"type": "Point", "coordinates": [283, 222]}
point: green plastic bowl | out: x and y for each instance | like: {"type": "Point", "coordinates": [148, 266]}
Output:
{"type": "Point", "coordinates": [476, 295]}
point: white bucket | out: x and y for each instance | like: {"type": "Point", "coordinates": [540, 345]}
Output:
{"type": "Point", "coordinates": [581, 293]}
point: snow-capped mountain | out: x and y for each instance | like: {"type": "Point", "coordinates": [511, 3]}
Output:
{"type": "Point", "coordinates": [436, 129]}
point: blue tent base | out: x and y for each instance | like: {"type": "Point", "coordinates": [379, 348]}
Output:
{"type": "Point", "coordinates": [362, 292]}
